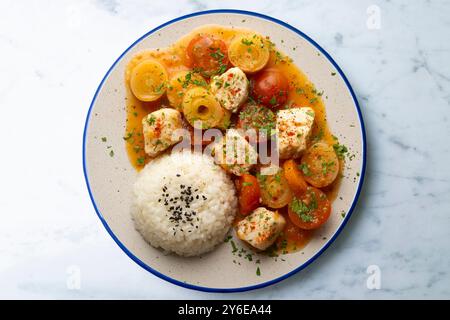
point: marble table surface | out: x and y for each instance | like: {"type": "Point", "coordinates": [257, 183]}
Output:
{"type": "Point", "coordinates": [395, 54]}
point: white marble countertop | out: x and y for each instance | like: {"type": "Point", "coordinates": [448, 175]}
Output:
{"type": "Point", "coordinates": [53, 56]}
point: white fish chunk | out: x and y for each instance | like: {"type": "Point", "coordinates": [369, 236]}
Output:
{"type": "Point", "coordinates": [261, 228]}
{"type": "Point", "coordinates": [159, 130]}
{"type": "Point", "coordinates": [293, 129]}
{"type": "Point", "coordinates": [230, 88]}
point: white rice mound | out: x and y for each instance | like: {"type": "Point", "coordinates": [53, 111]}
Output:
{"type": "Point", "coordinates": [183, 203]}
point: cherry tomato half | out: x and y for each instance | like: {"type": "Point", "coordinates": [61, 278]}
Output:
{"type": "Point", "coordinates": [311, 210]}
{"type": "Point", "coordinates": [294, 177]}
{"type": "Point", "coordinates": [294, 234]}
{"type": "Point", "coordinates": [249, 194]}
{"type": "Point", "coordinates": [270, 87]}
{"type": "Point", "coordinates": [207, 54]}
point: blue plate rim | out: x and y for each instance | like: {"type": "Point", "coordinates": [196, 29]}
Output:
{"type": "Point", "coordinates": [329, 242]}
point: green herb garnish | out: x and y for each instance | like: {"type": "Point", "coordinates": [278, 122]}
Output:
{"type": "Point", "coordinates": [303, 210]}
{"type": "Point", "coordinates": [273, 100]}
{"type": "Point", "coordinates": [151, 120]}
{"type": "Point", "coordinates": [340, 150]}
{"type": "Point", "coordinates": [305, 169]}
{"type": "Point", "coordinates": [247, 42]}
{"type": "Point", "coordinates": [326, 167]}
{"type": "Point", "coordinates": [141, 161]}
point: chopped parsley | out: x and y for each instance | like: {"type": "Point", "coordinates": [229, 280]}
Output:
{"type": "Point", "coordinates": [300, 91]}
{"type": "Point", "coordinates": [305, 169]}
{"type": "Point", "coordinates": [187, 79]}
{"type": "Point", "coordinates": [313, 100]}
{"type": "Point", "coordinates": [128, 136]}
{"type": "Point", "coordinates": [233, 245]}
{"type": "Point", "coordinates": [273, 100]}
{"type": "Point", "coordinates": [247, 42]}
{"type": "Point", "coordinates": [159, 89]}
{"type": "Point", "coordinates": [258, 118]}
{"type": "Point", "coordinates": [141, 161]}
{"type": "Point", "coordinates": [151, 120]}
{"type": "Point", "coordinates": [137, 148]}
{"type": "Point", "coordinates": [319, 135]}
{"type": "Point", "coordinates": [340, 150]}
{"type": "Point", "coordinates": [104, 139]}
{"type": "Point", "coordinates": [303, 210]}
{"type": "Point", "coordinates": [201, 83]}
{"type": "Point", "coordinates": [277, 177]}
{"type": "Point", "coordinates": [222, 68]}
{"type": "Point", "coordinates": [326, 166]}
{"type": "Point", "coordinates": [258, 272]}
{"type": "Point", "coordinates": [217, 55]}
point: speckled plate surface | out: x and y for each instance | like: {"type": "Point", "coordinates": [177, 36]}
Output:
{"type": "Point", "coordinates": [110, 176]}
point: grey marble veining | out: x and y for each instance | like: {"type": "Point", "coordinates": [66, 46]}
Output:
{"type": "Point", "coordinates": [52, 62]}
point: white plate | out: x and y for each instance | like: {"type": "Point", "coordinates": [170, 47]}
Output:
{"type": "Point", "coordinates": [109, 179]}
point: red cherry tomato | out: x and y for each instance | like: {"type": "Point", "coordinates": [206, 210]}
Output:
{"type": "Point", "coordinates": [207, 54]}
{"type": "Point", "coordinates": [311, 210]}
{"type": "Point", "coordinates": [270, 87]}
{"type": "Point", "coordinates": [296, 235]}
{"type": "Point", "coordinates": [249, 194]}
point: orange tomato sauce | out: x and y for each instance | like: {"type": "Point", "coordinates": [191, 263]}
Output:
{"type": "Point", "coordinates": [302, 93]}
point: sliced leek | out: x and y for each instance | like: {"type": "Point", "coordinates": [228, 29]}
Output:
{"type": "Point", "coordinates": [201, 109]}
{"type": "Point", "coordinates": [148, 80]}
{"type": "Point", "coordinates": [249, 52]}
{"type": "Point", "coordinates": [179, 84]}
